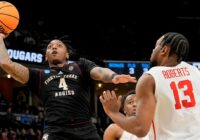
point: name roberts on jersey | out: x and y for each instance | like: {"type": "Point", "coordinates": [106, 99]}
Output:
{"type": "Point", "coordinates": [177, 72]}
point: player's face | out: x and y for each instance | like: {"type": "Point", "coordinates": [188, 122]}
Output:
{"type": "Point", "coordinates": [130, 105]}
{"type": "Point", "coordinates": [154, 60]}
{"type": "Point", "coordinates": [56, 52]}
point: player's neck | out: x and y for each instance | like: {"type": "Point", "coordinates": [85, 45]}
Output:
{"type": "Point", "coordinates": [56, 65]}
{"type": "Point", "coordinates": [170, 63]}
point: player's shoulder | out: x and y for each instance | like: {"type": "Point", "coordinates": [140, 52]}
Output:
{"type": "Point", "coordinates": [114, 127]}
{"type": "Point", "coordinates": [83, 61]}
{"type": "Point", "coordinates": [157, 68]}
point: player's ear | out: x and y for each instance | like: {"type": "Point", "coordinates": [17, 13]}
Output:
{"type": "Point", "coordinates": [165, 49]}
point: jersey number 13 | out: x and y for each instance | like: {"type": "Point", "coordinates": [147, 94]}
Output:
{"type": "Point", "coordinates": [186, 85]}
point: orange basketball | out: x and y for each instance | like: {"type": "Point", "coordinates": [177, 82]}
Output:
{"type": "Point", "coordinates": [9, 17]}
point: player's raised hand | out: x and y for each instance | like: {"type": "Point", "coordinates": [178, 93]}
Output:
{"type": "Point", "coordinates": [123, 78]}
{"type": "Point", "coordinates": [111, 103]}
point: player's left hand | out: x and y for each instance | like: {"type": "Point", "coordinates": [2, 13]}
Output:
{"type": "Point", "coordinates": [123, 78]}
{"type": "Point", "coordinates": [110, 102]}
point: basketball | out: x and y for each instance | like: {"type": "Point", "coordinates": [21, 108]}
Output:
{"type": "Point", "coordinates": [9, 17]}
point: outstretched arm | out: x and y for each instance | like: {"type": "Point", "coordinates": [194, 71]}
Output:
{"type": "Point", "coordinates": [146, 103]}
{"type": "Point", "coordinates": [16, 70]}
{"type": "Point", "coordinates": [108, 76]}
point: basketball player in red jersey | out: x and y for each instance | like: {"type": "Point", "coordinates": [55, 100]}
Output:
{"type": "Point", "coordinates": [128, 108]}
{"type": "Point", "coordinates": [168, 95]}
{"type": "Point", "coordinates": [64, 88]}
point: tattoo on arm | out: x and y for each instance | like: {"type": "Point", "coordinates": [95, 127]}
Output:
{"type": "Point", "coordinates": [20, 73]}
{"type": "Point", "coordinates": [103, 74]}
{"type": "Point", "coordinates": [17, 71]}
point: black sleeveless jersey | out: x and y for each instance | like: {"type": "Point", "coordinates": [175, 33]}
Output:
{"type": "Point", "coordinates": [65, 91]}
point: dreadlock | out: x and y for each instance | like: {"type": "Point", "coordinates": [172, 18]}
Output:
{"type": "Point", "coordinates": [178, 43]}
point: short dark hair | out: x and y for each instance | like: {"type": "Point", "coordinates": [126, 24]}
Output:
{"type": "Point", "coordinates": [64, 39]}
{"type": "Point", "coordinates": [124, 99]}
{"type": "Point", "coordinates": [178, 43]}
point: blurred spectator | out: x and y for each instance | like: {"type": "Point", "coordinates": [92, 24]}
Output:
{"type": "Point", "coordinates": [12, 135]}
{"type": "Point", "coordinates": [3, 103]}
{"type": "Point", "coordinates": [4, 134]}
{"type": "Point", "coordinates": [10, 119]}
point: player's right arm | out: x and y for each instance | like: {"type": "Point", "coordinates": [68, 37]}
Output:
{"type": "Point", "coordinates": [16, 70]}
{"type": "Point", "coordinates": [139, 124]}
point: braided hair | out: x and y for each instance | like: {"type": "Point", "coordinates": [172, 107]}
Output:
{"type": "Point", "coordinates": [178, 43]}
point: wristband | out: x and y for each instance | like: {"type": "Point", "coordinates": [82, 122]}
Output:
{"type": "Point", "coordinates": [113, 75]}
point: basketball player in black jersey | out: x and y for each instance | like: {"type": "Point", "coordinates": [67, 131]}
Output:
{"type": "Point", "coordinates": [64, 88]}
